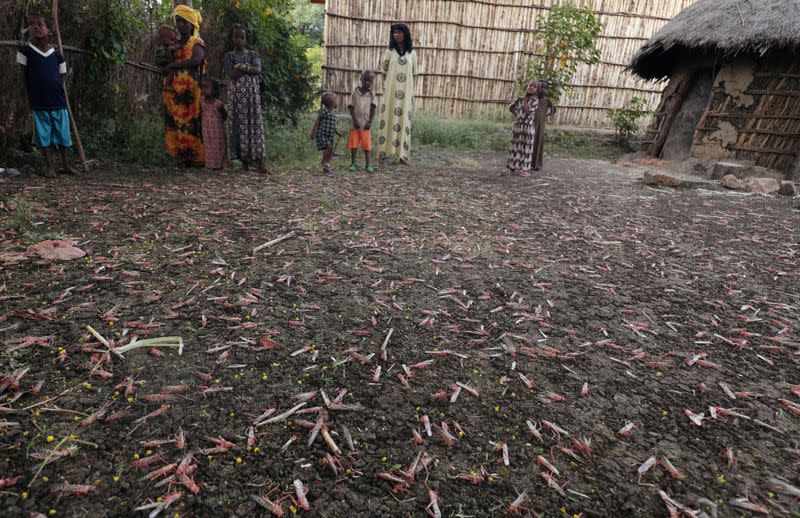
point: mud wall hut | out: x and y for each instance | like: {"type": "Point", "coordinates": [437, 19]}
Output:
{"type": "Point", "coordinates": [471, 53]}
{"type": "Point", "coordinates": [734, 83]}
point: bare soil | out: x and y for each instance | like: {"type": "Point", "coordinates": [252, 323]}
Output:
{"type": "Point", "coordinates": [579, 277]}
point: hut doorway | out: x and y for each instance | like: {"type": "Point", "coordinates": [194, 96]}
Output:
{"type": "Point", "coordinates": [678, 145]}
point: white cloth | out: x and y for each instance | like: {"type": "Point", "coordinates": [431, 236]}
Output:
{"type": "Point", "coordinates": [362, 103]}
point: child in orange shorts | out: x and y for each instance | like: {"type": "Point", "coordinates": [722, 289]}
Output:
{"type": "Point", "coordinates": [362, 109]}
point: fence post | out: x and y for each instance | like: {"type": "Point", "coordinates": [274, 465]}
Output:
{"type": "Point", "coordinates": [72, 121]}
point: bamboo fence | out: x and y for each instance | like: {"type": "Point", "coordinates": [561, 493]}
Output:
{"type": "Point", "coordinates": [472, 53]}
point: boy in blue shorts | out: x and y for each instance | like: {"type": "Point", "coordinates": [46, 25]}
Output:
{"type": "Point", "coordinates": [45, 70]}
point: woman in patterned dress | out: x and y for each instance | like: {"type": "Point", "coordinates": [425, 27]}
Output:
{"type": "Point", "coordinates": [399, 67]}
{"type": "Point", "coordinates": [246, 121]}
{"type": "Point", "coordinates": [520, 155]}
{"type": "Point", "coordinates": [181, 90]}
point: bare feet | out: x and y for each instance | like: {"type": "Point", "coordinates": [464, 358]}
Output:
{"type": "Point", "coordinates": [384, 160]}
{"type": "Point", "coordinates": [49, 172]}
{"type": "Point", "coordinates": [524, 174]}
{"type": "Point", "coordinates": [265, 171]}
{"type": "Point", "coordinates": [405, 161]}
{"type": "Point", "coordinates": [68, 170]}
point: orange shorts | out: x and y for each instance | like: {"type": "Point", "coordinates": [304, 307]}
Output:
{"type": "Point", "coordinates": [360, 139]}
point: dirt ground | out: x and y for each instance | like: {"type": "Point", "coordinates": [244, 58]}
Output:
{"type": "Point", "coordinates": [527, 318]}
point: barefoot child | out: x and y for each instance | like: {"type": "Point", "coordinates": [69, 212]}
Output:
{"type": "Point", "coordinates": [362, 111]}
{"type": "Point", "coordinates": [325, 129]}
{"type": "Point", "coordinates": [45, 70]}
{"type": "Point", "coordinates": [213, 117]}
{"type": "Point", "coordinates": [520, 155]}
{"type": "Point", "coordinates": [246, 121]}
{"type": "Point", "coordinates": [546, 109]}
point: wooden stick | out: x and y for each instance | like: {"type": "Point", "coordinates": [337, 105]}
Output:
{"type": "Point", "coordinates": [105, 342]}
{"type": "Point", "coordinates": [150, 67]}
{"type": "Point", "coordinates": [72, 121]}
{"type": "Point", "coordinates": [273, 242]}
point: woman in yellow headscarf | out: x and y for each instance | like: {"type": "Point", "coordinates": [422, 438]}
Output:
{"type": "Point", "coordinates": [181, 90]}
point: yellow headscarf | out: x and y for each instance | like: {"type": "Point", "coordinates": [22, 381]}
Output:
{"type": "Point", "coordinates": [190, 15]}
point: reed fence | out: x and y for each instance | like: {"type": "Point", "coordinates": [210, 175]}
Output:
{"type": "Point", "coordinates": [472, 53]}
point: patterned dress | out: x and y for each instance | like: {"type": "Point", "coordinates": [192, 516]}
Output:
{"type": "Point", "coordinates": [214, 134]}
{"type": "Point", "coordinates": [520, 155]}
{"type": "Point", "coordinates": [245, 119]}
{"type": "Point", "coordinates": [396, 103]}
{"type": "Point", "coordinates": [181, 98]}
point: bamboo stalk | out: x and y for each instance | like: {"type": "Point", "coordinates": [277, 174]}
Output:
{"type": "Point", "coordinates": [72, 120]}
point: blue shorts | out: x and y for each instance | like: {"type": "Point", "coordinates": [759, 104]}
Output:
{"type": "Point", "coordinates": [51, 127]}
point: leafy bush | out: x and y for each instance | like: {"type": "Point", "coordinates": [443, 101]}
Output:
{"type": "Point", "coordinates": [139, 140]}
{"type": "Point", "coordinates": [626, 120]}
{"type": "Point", "coordinates": [566, 38]}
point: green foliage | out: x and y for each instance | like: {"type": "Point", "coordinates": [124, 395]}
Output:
{"type": "Point", "coordinates": [115, 23]}
{"type": "Point", "coordinates": [138, 140]}
{"type": "Point", "coordinates": [309, 19]}
{"type": "Point", "coordinates": [626, 120]}
{"type": "Point", "coordinates": [479, 134]}
{"type": "Point", "coordinates": [566, 38]}
{"type": "Point", "coordinates": [286, 78]}
{"type": "Point", "coordinates": [314, 56]}
{"type": "Point", "coordinates": [23, 214]}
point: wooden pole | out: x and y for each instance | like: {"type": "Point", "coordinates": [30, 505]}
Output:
{"type": "Point", "coordinates": [78, 144]}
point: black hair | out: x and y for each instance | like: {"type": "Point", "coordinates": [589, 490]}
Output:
{"type": "Point", "coordinates": [368, 73]}
{"type": "Point", "coordinates": [215, 86]}
{"type": "Point", "coordinates": [409, 42]}
{"type": "Point", "coordinates": [240, 27]}
{"type": "Point", "coordinates": [41, 17]}
{"type": "Point", "coordinates": [327, 97]}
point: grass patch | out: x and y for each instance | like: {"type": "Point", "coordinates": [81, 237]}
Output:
{"type": "Point", "coordinates": [474, 134]}
{"type": "Point", "coordinates": [436, 141]}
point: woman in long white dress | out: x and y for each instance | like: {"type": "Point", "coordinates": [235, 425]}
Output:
{"type": "Point", "coordinates": [399, 68]}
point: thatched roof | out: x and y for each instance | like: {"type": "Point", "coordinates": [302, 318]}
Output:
{"type": "Point", "coordinates": [721, 28]}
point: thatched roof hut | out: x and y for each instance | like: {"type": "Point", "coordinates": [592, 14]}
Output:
{"type": "Point", "coordinates": [734, 89]}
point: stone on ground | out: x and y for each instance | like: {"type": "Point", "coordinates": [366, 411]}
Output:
{"type": "Point", "coordinates": [662, 179]}
{"type": "Point", "coordinates": [763, 185]}
{"type": "Point", "coordinates": [729, 181]}
{"type": "Point", "coordinates": [788, 189]}
{"type": "Point", "coordinates": [743, 171]}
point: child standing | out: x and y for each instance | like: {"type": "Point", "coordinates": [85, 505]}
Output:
{"type": "Point", "coordinates": [45, 70]}
{"type": "Point", "coordinates": [244, 102]}
{"type": "Point", "coordinates": [546, 109]}
{"type": "Point", "coordinates": [520, 155]}
{"type": "Point", "coordinates": [325, 129]}
{"type": "Point", "coordinates": [362, 111]}
{"type": "Point", "coordinates": [213, 117]}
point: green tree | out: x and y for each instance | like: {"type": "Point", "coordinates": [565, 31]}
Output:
{"type": "Point", "coordinates": [626, 120]}
{"type": "Point", "coordinates": [566, 38]}
{"type": "Point", "coordinates": [309, 19]}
